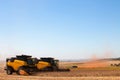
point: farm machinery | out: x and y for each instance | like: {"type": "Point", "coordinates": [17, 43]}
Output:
{"type": "Point", "coordinates": [25, 65]}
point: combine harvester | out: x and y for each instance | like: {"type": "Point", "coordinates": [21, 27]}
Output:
{"type": "Point", "coordinates": [25, 65]}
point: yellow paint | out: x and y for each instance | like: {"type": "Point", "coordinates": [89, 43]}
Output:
{"type": "Point", "coordinates": [42, 65]}
{"type": "Point", "coordinates": [16, 64]}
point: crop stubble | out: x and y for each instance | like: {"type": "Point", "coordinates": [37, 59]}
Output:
{"type": "Point", "coordinates": [74, 74]}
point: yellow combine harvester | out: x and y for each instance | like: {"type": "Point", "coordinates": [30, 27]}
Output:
{"type": "Point", "coordinates": [25, 64]}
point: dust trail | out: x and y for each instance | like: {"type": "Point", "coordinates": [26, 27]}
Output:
{"type": "Point", "coordinates": [95, 62]}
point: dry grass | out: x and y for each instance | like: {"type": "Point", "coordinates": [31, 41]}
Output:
{"type": "Point", "coordinates": [58, 78]}
{"type": "Point", "coordinates": [80, 73]}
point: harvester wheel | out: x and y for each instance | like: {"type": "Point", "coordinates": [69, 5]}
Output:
{"type": "Point", "coordinates": [9, 70]}
{"type": "Point", "coordinates": [22, 71]}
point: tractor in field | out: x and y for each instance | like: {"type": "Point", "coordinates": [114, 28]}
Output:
{"type": "Point", "coordinates": [25, 65]}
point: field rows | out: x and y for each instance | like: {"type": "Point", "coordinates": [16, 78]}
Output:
{"type": "Point", "coordinates": [107, 73]}
{"type": "Point", "coordinates": [57, 78]}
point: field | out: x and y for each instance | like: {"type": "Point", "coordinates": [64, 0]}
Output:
{"type": "Point", "coordinates": [93, 70]}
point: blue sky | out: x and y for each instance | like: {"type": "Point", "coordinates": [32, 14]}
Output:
{"type": "Point", "coordinates": [64, 29]}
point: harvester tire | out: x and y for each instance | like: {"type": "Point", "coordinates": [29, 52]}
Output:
{"type": "Point", "coordinates": [23, 69]}
{"type": "Point", "coordinates": [18, 71]}
{"type": "Point", "coordinates": [9, 70]}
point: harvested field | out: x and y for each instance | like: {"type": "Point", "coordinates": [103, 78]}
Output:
{"type": "Point", "coordinates": [59, 78]}
{"type": "Point", "coordinates": [80, 73]}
